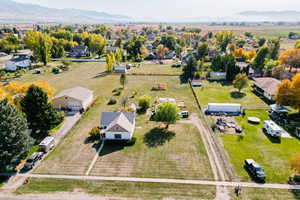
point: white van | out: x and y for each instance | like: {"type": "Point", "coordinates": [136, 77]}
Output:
{"type": "Point", "coordinates": [47, 144]}
{"type": "Point", "coordinates": [272, 128]}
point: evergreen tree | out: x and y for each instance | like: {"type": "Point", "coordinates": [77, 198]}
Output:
{"type": "Point", "coordinates": [259, 60]}
{"type": "Point", "coordinates": [15, 137]}
{"type": "Point", "coordinates": [41, 115]}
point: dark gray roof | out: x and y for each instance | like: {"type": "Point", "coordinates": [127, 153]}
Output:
{"type": "Point", "coordinates": [109, 117]}
{"type": "Point", "coordinates": [20, 57]}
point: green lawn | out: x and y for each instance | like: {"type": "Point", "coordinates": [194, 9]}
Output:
{"type": "Point", "coordinates": [181, 154]}
{"type": "Point", "coordinates": [113, 189]}
{"type": "Point", "coordinates": [223, 92]}
{"type": "Point", "coordinates": [156, 69]}
{"type": "Point", "coordinates": [273, 155]}
{"type": "Point", "coordinates": [272, 194]}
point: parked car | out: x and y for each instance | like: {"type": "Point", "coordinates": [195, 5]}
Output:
{"type": "Point", "coordinates": [184, 114]}
{"type": "Point", "coordinates": [255, 170]}
{"type": "Point", "coordinates": [33, 160]}
{"type": "Point", "coordinates": [2, 54]}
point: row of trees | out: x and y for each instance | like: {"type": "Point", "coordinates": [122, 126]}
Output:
{"type": "Point", "coordinates": [45, 46]}
{"type": "Point", "coordinates": [21, 128]}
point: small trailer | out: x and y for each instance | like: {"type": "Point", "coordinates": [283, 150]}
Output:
{"type": "Point", "coordinates": [272, 128]}
{"type": "Point", "coordinates": [47, 144]}
{"type": "Point", "coordinates": [217, 76]}
{"type": "Point", "coordinates": [226, 108]}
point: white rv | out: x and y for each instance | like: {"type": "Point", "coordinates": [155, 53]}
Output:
{"type": "Point", "coordinates": [272, 128]}
{"type": "Point", "coordinates": [47, 144]}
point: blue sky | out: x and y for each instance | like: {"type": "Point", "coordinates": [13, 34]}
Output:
{"type": "Point", "coordinates": [171, 9]}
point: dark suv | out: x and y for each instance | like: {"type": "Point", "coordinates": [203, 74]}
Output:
{"type": "Point", "coordinates": [255, 170]}
{"type": "Point", "coordinates": [32, 160]}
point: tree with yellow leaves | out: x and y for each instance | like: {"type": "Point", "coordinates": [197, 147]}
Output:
{"type": "Point", "coordinates": [161, 51]}
{"type": "Point", "coordinates": [296, 92]}
{"type": "Point", "coordinates": [239, 53]}
{"type": "Point", "coordinates": [291, 58]}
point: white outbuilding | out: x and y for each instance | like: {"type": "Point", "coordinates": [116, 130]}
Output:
{"type": "Point", "coordinates": [73, 99]}
{"type": "Point", "coordinates": [228, 108]}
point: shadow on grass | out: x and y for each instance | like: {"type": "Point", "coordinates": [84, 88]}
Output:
{"type": "Point", "coordinates": [296, 194]}
{"type": "Point", "coordinates": [111, 147]}
{"type": "Point", "coordinates": [157, 137]}
{"type": "Point", "coordinates": [276, 140]}
{"type": "Point", "coordinates": [90, 140]}
{"type": "Point", "coordinates": [100, 75]}
{"type": "Point", "coordinates": [237, 95]}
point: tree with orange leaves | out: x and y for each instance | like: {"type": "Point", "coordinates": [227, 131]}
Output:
{"type": "Point", "coordinates": [291, 58]}
{"type": "Point", "coordinates": [288, 93]}
{"type": "Point", "coordinates": [284, 94]}
{"type": "Point", "coordinates": [239, 53]}
{"type": "Point", "coordinates": [295, 163]}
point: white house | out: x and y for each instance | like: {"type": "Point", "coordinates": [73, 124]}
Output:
{"type": "Point", "coordinates": [17, 62]}
{"type": "Point", "coordinates": [74, 99]}
{"type": "Point", "coordinates": [117, 125]}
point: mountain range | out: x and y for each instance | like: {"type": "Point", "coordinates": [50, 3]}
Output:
{"type": "Point", "coordinates": [14, 12]}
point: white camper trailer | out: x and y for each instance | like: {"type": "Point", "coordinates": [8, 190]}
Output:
{"type": "Point", "coordinates": [272, 128]}
{"type": "Point", "coordinates": [47, 144]}
{"type": "Point", "coordinates": [228, 108]}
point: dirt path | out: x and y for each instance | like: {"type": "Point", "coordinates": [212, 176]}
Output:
{"type": "Point", "coordinates": [216, 165]}
{"type": "Point", "coordinates": [161, 180]}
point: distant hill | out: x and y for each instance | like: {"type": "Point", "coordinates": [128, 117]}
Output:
{"type": "Point", "coordinates": [289, 15]}
{"type": "Point", "coordinates": [14, 12]}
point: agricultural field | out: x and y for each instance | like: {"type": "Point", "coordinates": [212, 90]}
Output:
{"type": "Point", "coordinates": [113, 190]}
{"type": "Point", "coordinates": [272, 154]}
{"type": "Point", "coordinates": [223, 92]}
{"type": "Point", "coordinates": [176, 153]}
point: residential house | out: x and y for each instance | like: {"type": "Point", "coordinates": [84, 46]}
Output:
{"type": "Point", "coordinates": [73, 99]}
{"type": "Point", "coordinates": [266, 87]}
{"type": "Point", "coordinates": [151, 37]}
{"type": "Point", "coordinates": [111, 49]}
{"type": "Point", "coordinates": [117, 125]}
{"type": "Point", "coordinates": [80, 51]}
{"type": "Point", "coordinates": [17, 62]}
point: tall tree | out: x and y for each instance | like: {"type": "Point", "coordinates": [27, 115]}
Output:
{"type": "Point", "coordinates": [274, 47]}
{"type": "Point", "coordinates": [291, 58]}
{"type": "Point", "coordinates": [167, 113]}
{"type": "Point", "coordinates": [15, 137]}
{"type": "Point", "coordinates": [284, 94]}
{"type": "Point", "coordinates": [135, 47]}
{"type": "Point", "coordinates": [161, 51]}
{"type": "Point", "coordinates": [260, 58]}
{"type": "Point", "coordinates": [191, 67]}
{"type": "Point", "coordinates": [241, 81]}
{"type": "Point", "coordinates": [202, 50]}
{"type": "Point", "coordinates": [223, 38]}
{"type": "Point", "coordinates": [123, 80]}
{"type": "Point", "coordinates": [97, 44]}
{"type": "Point", "coordinates": [40, 114]}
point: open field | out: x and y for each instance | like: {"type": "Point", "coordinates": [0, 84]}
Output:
{"type": "Point", "coordinates": [114, 189]}
{"type": "Point", "coordinates": [156, 69]}
{"type": "Point", "coordinates": [223, 92]}
{"type": "Point", "coordinates": [177, 154]}
{"type": "Point", "coordinates": [272, 154]}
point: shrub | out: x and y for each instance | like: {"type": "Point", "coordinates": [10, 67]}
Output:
{"type": "Point", "coordinates": [131, 142]}
{"type": "Point", "coordinates": [144, 102]}
{"type": "Point", "coordinates": [112, 101]}
{"type": "Point", "coordinates": [95, 132]}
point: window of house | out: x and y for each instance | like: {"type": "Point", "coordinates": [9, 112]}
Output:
{"type": "Point", "coordinates": [118, 136]}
